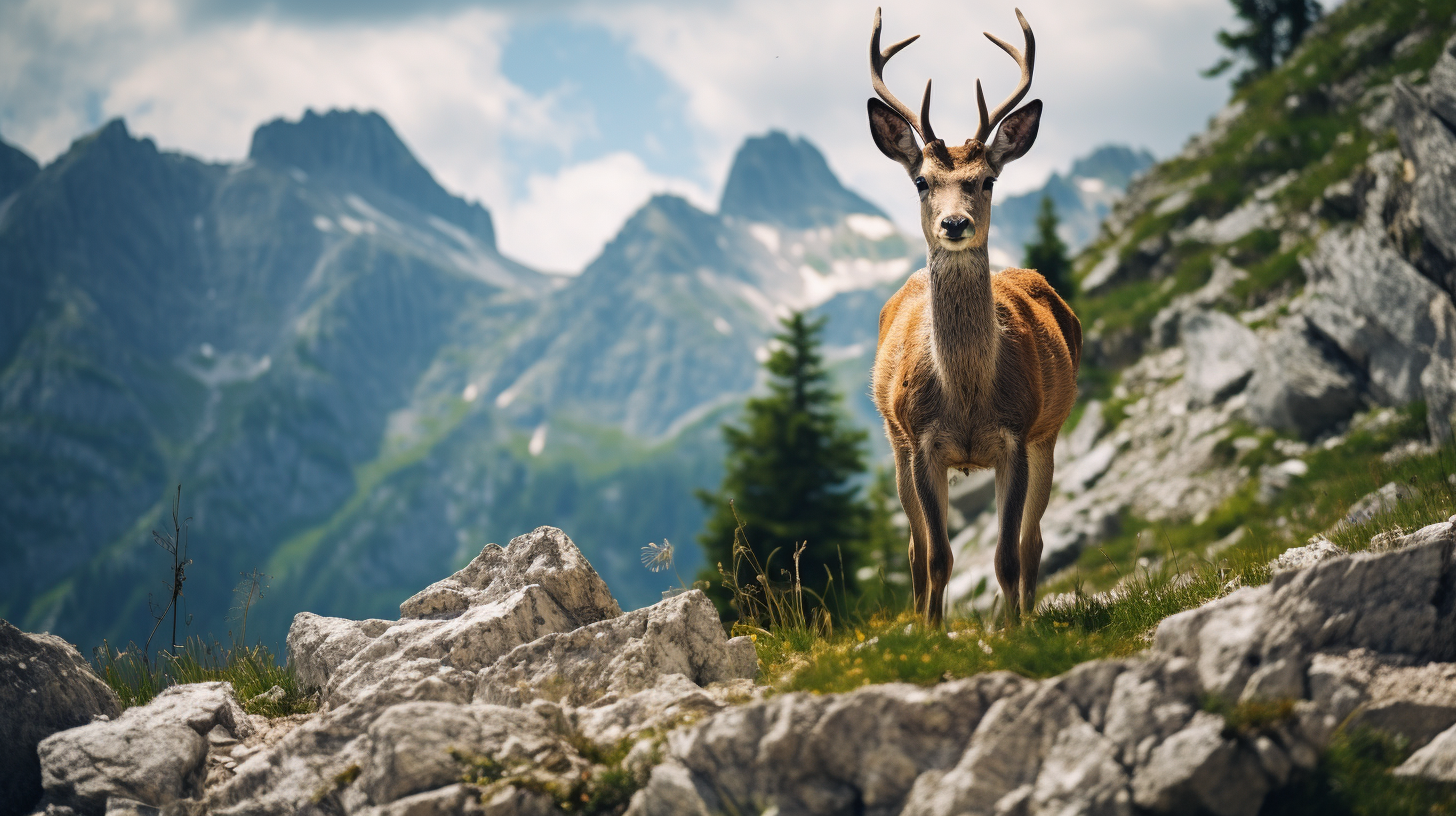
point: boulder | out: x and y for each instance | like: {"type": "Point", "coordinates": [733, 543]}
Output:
{"type": "Point", "coordinates": [45, 687]}
{"type": "Point", "coordinates": [1422, 117]}
{"type": "Point", "coordinates": [318, 645]}
{"type": "Point", "coordinates": [412, 649]}
{"type": "Point", "coordinates": [829, 754]}
{"type": "Point", "coordinates": [1221, 354]}
{"type": "Point", "coordinates": [1377, 502]}
{"type": "Point", "coordinates": [153, 754]}
{"type": "Point", "coordinates": [1256, 642]}
{"type": "Point", "coordinates": [1297, 558]}
{"type": "Point", "coordinates": [1391, 322]}
{"type": "Point", "coordinates": [545, 557]}
{"type": "Point", "coordinates": [1302, 383]}
{"type": "Point", "coordinates": [1437, 760]}
{"type": "Point", "coordinates": [681, 635]}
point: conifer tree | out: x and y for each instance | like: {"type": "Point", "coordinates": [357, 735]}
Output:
{"type": "Point", "coordinates": [1273, 28]}
{"type": "Point", "coordinates": [790, 474]}
{"type": "Point", "coordinates": [1048, 253]}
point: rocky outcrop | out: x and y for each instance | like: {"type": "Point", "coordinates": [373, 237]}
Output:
{"type": "Point", "coordinates": [523, 656]}
{"type": "Point", "coordinates": [1366, 638]}
{"type": "Point", "coordinates": [45, 687]}
{"type": "Point", "coordinates": [505, 597]}
{"type": "Point", "coordinates": [154, 755]}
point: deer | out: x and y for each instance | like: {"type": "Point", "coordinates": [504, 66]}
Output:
{"type": "Point", "coordinates": [972, 370]}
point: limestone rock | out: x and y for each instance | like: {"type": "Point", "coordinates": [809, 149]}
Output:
{"type": "Point", "coordinates": [1302, 383]}
{"type": "Point", "coordinates": [1221, 354]}
{"type": "Point", "coordinates": [1198, 770]}
{"type": "Point", "coordinates": [153, 754]}
{"type": "Point", "coordinates": [1437, 760]}
{"type": "Point", "coordinates": [810, 754]}
{"type": "Point", "coordinates": [1297, 558]}
{"type": "Point", "coordinates": [318, 645]}
{"type": "Point", "coordinates": [681, 635]}
{"type": "Point", "coordinates": [1257, 641]}
{"type": "Point", "coordinates": [468, 642]}
{"type": "Point", "coordinates": [45, 687]}
{"type": "Point", "coordinates": [1377, 502]}
{"type": "Point", "coordinates": [545, 556]}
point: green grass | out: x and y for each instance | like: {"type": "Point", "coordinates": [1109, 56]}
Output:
{"type": "Point", "coordinates": [1353, 779]}
{"type": "Point", "coordinates": [604, 789]}
{"type": "Point", "coordinates": [888, 644]}
{"type": "Point", "coordinates": [1312, 504]}
{"type": "Point", "coordinates": [252, 670]}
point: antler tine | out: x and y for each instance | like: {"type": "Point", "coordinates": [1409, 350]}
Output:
{"type": "Point", "coordinates": [1027, 61]}
{"type": "Point", "coordinates": [878, 58]}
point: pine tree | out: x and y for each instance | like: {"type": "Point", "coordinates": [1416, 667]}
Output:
{"type": "Point", "coordinates": [1273, 29]}
{"type": "Point", "coordinates": [790, 475]}
{"type": "Point", "coordinates": [1048, 253]}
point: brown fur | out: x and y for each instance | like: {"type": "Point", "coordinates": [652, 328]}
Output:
{"type": "Point", "coordinates": [973, 370]}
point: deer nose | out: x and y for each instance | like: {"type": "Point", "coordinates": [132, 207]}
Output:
{"type": "Point", "coordinates": [955, 226]}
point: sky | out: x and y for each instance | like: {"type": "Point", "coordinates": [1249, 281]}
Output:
{"type": "Point", "coordinates": [563, 117]}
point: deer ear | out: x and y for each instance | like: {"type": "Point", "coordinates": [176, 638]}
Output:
{"type": "Point", "coordinates": [1015, 136]}
{"type": "Point", "coordinates": [894, 137]}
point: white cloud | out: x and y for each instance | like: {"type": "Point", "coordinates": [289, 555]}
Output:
{"type": "Point", "coordinates": [568, 216]}
{"type": "Point", "coordinates": [1124, 72]}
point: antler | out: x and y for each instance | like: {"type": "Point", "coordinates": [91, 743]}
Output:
{"type": "Point", "coordinates": [878, 59]}
{"type": "Point", "coordinates": [1026, 61]}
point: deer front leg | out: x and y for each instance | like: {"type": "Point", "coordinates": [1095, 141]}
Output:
{"type": "Point", "coordinates": [1011, 482]}
{"type": "Point", "coordinates": [932, 487]}
{"type": "Point", "coordinates": [1038, 493]}
{"type": "Point", "coordinates": [919, 544]}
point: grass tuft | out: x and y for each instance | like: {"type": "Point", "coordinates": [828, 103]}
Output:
{"type": "Point", "coordinates": [252, 670]}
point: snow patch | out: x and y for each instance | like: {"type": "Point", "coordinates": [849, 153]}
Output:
{"type": "Point", "coordinates": [470, 393]}
{"type": "Point", "coordinates": [538, 440]}
{"type": "Point", "coordinates": [872, 227]}
{"type": "Point", "coordinates": [322, 223]}
{"type": "Point", "coordinates": [722, 326]}
{"type": "Point", "coordinates": [766, 235]}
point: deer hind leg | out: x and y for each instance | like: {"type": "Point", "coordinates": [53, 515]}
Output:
{"type": "Point", "coordinates": [1038, 493]}
{"type": "Point", "coordinates": [932, 487]}
{"type": "Point", "coordinates": [1011, 490]}
{"type": "Point", "coordinates": [919, 544]}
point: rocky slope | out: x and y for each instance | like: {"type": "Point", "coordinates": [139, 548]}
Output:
{"type": "Point", "coordinates": [1261, 297]}
{"type": "Point", "coordinates": [518, 686]}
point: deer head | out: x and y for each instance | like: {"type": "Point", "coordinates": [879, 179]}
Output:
{"type": "Point", "coordinates": [954, 183]}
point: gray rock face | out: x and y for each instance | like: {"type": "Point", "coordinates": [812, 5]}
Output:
{"type": "Point", "coordinates": [1349, 634]}
{"type": "Point", "coordinates": [152, 754]}
{"type": "Point", "coordinates": [45, 687]}
{"type": "Point", "coordinates": [317, 645]}
{"type": "Point", "coordinates": [681, 635]}
{"type": "Point", "coordinates": [401, 695]}
{"type": "Point", "coordinates": [1301, 384]}
{"type": "Point", "coordinates": [1437, 760]}
{"type": "Point", "coordinates": [545, 556]}
{"type": "Point", "coordinates": [1391, 321]}
{"type": "Point", "coordinates": [1221, 354]}
{"type": "Point", "coordinates": [1422, 118]}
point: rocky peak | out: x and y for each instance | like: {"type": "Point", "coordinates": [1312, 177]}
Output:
{"type": "Point", "coordinates": [16, 169]}
{"type": "Point", "coordinates": [787, 182]}
{"type": "Point", "coordinates": [360, 146]}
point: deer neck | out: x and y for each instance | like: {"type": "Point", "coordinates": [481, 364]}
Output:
{"type": "Point", "coordinates": [965, 336]}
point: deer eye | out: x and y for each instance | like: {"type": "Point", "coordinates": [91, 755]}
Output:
{"type": "Point", "coordinates": [920, 184]}
{"type": "Point", "coordinates": [990, 182]}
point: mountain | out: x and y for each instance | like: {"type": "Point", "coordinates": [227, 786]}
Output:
{"type": "Point", "coordinates": [17, 168]}
{"type": "Point", "coordinates": [786, 182]}
{"type": "Point", "coordinates": [1083, 199]}
{"type": "Point", "coordinates": [355, 389]}
{"type": "Point", "coordinates": [250, 330]}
